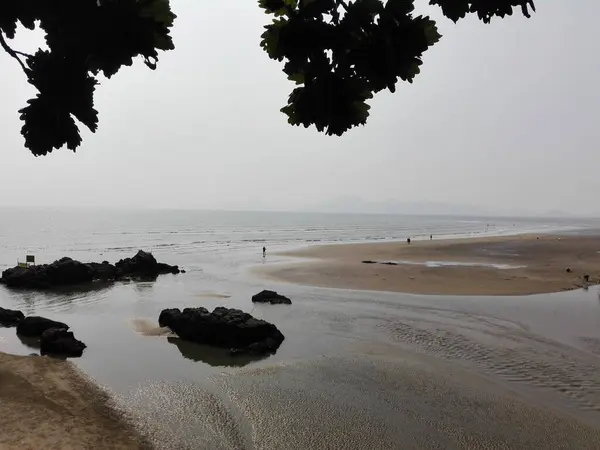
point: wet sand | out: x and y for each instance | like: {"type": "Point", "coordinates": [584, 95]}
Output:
{"type": "Point", "coordinates": [404, 372]}
{"type": "Point", "coordinates": [509, 265]}
{"type": "Point", "coordinates": [46, 403]}
{"type": "Point", "coordinates": [377, 399]}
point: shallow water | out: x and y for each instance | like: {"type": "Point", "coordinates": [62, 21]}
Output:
{"type": "Point", "coordinates": [455, 264]}
{"type": "Point", "coordinates": [356, 370]}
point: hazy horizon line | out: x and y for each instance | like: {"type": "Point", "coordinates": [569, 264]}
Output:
{"type": "Point", "coordinates": [123, 208]}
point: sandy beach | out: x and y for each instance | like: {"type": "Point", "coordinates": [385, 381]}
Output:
{"type": "Point", "coordinates": [508, 265]}
{"type": "Point", "coordinates": [47, 403]}
{"type": "Point", "coordinates": [358, 369]}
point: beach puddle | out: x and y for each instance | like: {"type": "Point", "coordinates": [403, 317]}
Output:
{"type": "Point", "coordinates": [433, 264]}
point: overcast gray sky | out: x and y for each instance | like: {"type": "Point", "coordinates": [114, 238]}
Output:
{"type": "Point", "coordinates": [503, 116]}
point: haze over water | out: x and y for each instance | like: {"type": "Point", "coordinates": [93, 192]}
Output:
{"type": "Point", "coordinates": [351, 372]}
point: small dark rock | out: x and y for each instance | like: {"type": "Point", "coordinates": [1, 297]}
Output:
{"type": "Point", "coordinates": [34, 326]}
{"type": "Point", "coordinates": [10, 317]}
{"type": "Point", "coordinates": [369, 262]}
{"type": "Point", "coordinates": [271, 297]}
{"type": "Point", "coordinates": [586, 278]}
{"type": "Point", "coordinates": [59, 341]}
{"type": "Point", "coordinates": [568, 270]}
{"type": "Point", "coordinates": [390, 263]}
{"type": "Point", "coordinates": [225, 328]}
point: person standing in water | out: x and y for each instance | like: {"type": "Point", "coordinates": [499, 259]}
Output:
{"type": "Point", "coordinates": [264, 251]}
{"type": "Point", "coordinates": [408, 240]}
{"type": "Point", "coordinates": [431, 237]}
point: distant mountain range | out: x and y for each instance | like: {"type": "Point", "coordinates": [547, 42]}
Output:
{"type": "Point", "coordinates": [348, 204]}
{"type": "Point", "coordinates": [357, 205]}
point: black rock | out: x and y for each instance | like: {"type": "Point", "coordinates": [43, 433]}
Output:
{"type": "Point", "coordinates": [168, 316]}
{"type": "Point", "coordinates": [62, 272]}
{"type": "Point", "coordinates": [369, 262]}
{"type": "Point", "coordinates": [67, 272]}
{"type": "Point", "coordinates": [226, 328]}
{"type": "Point", "coordinates": [33, 326]}
{"type": "Point", "coordinates": [10, 317]}
{"type": "Point", "coordinates": [271, 297]}
{"type": "Point", "coordinates": [143, 264]}
{"type": "Point", "coordinates": [60, 342]}
{"type": "Point", "coordinates": [104, 271]}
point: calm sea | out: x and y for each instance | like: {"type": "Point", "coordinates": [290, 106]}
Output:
{"type": "Point", "coordinates": [118, 322]}
{"type": "Point", "coordinates": [191, 237]}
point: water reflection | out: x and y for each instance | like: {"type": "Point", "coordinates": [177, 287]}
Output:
{"type": "Point", "coordinates": [58, 298]}
{"type": "Point", "coordinates": [218, 357]}
{"type": "Point", "coordinates": [29, 342]}
{"type": "Point", "coordinates": [143, 287]}
{"type": "Point", "coordinates": [64, 290]}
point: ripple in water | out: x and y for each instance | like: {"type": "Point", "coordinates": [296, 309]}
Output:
{"type": "Point", "coordinates": [561, 372]}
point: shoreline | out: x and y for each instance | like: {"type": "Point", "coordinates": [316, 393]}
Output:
{"type": "Point", "coordinates": [49, 403]}
{"type": "Point", "coordinates": [503, 265]}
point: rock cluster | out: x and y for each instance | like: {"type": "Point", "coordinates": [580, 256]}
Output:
{"type": "Point", "coordinates": [54, 337]}
{"type": "Point", "coordinates": [67, 271]}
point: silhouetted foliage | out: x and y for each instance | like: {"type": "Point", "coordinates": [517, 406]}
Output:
{"type": "Point", "coordinates": [341, 52]}
{"type": "Point", "coordinates": [338, 52]}
{"type": "Point", "coordinates": [84, 38]}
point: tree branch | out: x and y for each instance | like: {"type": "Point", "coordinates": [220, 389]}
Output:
{"type": "Point", "coordinates": [342, 4]}
{"type": "Point", "coordinates": [15, 54]}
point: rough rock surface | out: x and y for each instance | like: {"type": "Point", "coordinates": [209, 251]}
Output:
{"type": "Point", "coordinates": [271, 297]}
{"type": "Point", "coordinates": [225, 328]}
{"type": "Point", "coordinates": [34, 326]}
{"type": "Point", "coordinates": [10, 317]}
{"type": "Point", "coordinates": [143, 264]}
{"type": "Point", "coordinates": [66, 271]}
{"type": "Point", "coordinates": [60, 342]}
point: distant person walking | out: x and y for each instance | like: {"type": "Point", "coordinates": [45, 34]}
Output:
{"type": "Point", "coordinates": [431, 237]}
{"type": "Point", "coordinates": [408, 240]}
{"type": "Point", "coordinates": [264, 251]}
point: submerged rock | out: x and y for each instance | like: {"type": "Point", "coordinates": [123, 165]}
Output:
{"type": "Point", "coordinates": [271, 297]}
{"type": "Point", "coordinates": [226, 328]}
{"type": "Point", "coordinates": [34, 326]}
{"type": "Point", "coordinates": [66, 271]}
{"type": "Point", "coordinates": [60, 342]}
{"type": "Point", "coordinates": [10, 317]}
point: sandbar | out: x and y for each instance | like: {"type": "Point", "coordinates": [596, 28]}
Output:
{"type": "Point", "coordinates": [503, 265]}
